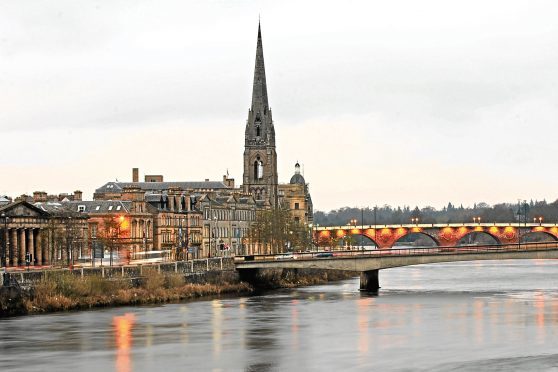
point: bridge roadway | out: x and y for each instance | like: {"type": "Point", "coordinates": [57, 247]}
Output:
{"type": "Point", "coordinates": [368, 263]}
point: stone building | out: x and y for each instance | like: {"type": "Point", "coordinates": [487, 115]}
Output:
{"type": "Point", "coordinates": [141, 222]}
{"type": "Point", "coordinates": [296, 197]}
{"type": "Point", "coordinates": [227, 217]}
{"type": "Point", "coordinates": [260, 157]}
{"type": "Point", "coordinates": [46, 233]}
{"type": "Point", "coordinates": [260, 176]}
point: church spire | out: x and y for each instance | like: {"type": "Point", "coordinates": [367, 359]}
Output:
{"type": "Point", "coordinates": [259, 91]}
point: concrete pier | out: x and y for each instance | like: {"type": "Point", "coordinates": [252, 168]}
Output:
{"type": "Point", "coordinates": [369, 281]}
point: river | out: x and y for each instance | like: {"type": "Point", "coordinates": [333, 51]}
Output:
{"type": "Point", "coordinates": [473, 316]}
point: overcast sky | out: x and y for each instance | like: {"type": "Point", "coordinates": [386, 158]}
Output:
{"type": "Point", "coordinates": [383, 102]}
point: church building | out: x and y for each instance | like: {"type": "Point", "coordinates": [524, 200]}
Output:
{"type": "Point", "coordinates": [260, 176]}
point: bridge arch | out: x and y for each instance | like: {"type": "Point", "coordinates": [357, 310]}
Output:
{"type": "Point", "coordinates": [482, 237]}
{"type": "Point", "coordinates": [538, 236]}
{"type": "Point", "coordinates": [359, 239]}
{"type": "Point", "coordinates": [414, 236]}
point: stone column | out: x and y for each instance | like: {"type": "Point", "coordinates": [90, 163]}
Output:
{"type": "Point", "coordinates": [13, 247]}
{"type": "Point", "coordinates": [21, 252]}
{"type": "Point", "coordinates": [4, 248]}
{"type": "Point", "coordinates": [45, 247]}
{"type": "Point", "coordinates": [369, 281]}
{"type": "Point", "coordinates": [31, 245]}
{"type": "Point", "coordinates": [38, 247]}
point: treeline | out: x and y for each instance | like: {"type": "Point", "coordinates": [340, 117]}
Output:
{"type": "Point", "coordinates": [528, 211]}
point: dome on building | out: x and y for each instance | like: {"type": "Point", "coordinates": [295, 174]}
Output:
{"type": "Point", "coordinates": [297, 178]}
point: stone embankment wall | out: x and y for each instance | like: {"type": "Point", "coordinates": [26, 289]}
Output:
{"type": "Point", "coordinates": [196, 270]}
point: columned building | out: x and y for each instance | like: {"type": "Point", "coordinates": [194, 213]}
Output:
{"type": "Point", "coordinates": [40, 234]}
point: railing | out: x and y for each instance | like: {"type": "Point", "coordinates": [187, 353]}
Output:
{"type": "Point", "coordinates": [436, 225]}
{"type": "Point", "coordinates": [422, 251]}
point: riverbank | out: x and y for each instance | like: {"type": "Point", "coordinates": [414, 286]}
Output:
{"type": "Point", "coordinates": [64, 291]}
{"type": "Point", "coordinates": [67, 290]}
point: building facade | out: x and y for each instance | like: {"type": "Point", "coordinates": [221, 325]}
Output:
{"type": "Point", "coordinates": [46, 233]}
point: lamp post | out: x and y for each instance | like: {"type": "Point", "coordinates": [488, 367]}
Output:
{"type": "Point", "coordinates": [353, 222]}
{"type": "Point", "coordinates": [415, 220]}
{"type": "Point", "coordinates": [519, 212]}
{"type": "Point", "coordinates": [213, 236]}
{"type": "Point", "coordinates": [362, 228]}
{"type": "Point", "coordinates": [540, 221]}
{"type": "Point", "coordinates": [476, 220]}
{"type": "Point", "coordinates": [4, 239]}
{"type": "Point", "coordinates": [375, 225]}
{"type": "Point", "coordinates": [317, 237]}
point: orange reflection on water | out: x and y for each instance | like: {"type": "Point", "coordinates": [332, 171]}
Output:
{"type": "Point", "coordinates": [363, 309]}
{"type": "Point", "coordinates": [540, 307]}
{"type": "Point", "coordinates": [122, 326]}
{"type": "Point", "coordinates": [478, 314]}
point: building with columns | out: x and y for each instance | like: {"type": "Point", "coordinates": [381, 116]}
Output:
{"type": "Point", "coordinates": [41, 234]}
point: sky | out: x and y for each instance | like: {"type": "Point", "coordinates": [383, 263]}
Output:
{"type": "Point", "coordinates": [398, 102]}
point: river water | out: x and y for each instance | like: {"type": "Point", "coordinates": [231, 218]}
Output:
{"type": "Point", "coordinates": [474, 316]}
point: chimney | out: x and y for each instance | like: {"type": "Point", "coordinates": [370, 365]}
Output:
{"type": "Point", "coordinates": [77, 195]}
{"type": "Point", "coordinates": [229, 182]}
{"type": "Point", "coordinates": [39, 196]}
{"type": "Point", "coordinates": [135, 174]}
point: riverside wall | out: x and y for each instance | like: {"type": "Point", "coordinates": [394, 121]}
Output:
{"type": "Point", "coordinates": [195, 270]}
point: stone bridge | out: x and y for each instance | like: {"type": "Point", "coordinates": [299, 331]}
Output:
{"type": "Point", "coordinates": [448, 235]}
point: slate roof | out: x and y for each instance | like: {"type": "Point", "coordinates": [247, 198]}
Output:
{"type": "Point", "coordinates": [100, 206]}
{"type": "Point", "coordinates": [161, 186]}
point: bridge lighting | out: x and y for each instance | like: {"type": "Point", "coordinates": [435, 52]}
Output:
{"type": "Point", "coordinates": [476, 220]}
{"type": "Point", "coordinates": [415, 220]}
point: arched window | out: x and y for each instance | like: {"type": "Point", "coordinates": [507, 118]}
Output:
{"type": "Point", "coordinates": [258, 132]}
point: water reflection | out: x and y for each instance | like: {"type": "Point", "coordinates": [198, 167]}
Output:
{"type": "Point", "coordinates": [445, 317]}
{"type": "Point", "coordinates": [122, 326]}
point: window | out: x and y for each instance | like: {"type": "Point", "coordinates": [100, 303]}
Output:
{"type": "Point", "coordinates": [110, 208]}
{"type": "Point", "coordinates": [297, 205]}
{"type": "Point", "coordinates": [118, 208]}
{"type": "Point", "coordinates": [81, 208]}
{"type": "Point", "coordinates": [97, 207]}
{"type": "Point", "coordinates": [258, 133]}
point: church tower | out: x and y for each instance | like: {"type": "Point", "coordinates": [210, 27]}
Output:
{"type": "Point", "coordinates": [260, 158]}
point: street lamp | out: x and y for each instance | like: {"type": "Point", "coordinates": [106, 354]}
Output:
{"type": "Point", "coordinates": [415, 220]}
{"type": "Point", "coordinates": [354, 223]}
{"type": "Point", "coordinates": [212, 238]}
{"type": "Point", "coordinates": [476, 220]}
{"type": "Point", "coordinates": [317, 237]}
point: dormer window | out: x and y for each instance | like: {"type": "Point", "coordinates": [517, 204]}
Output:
{"type": "Point", "coordinates": [81, 208]}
